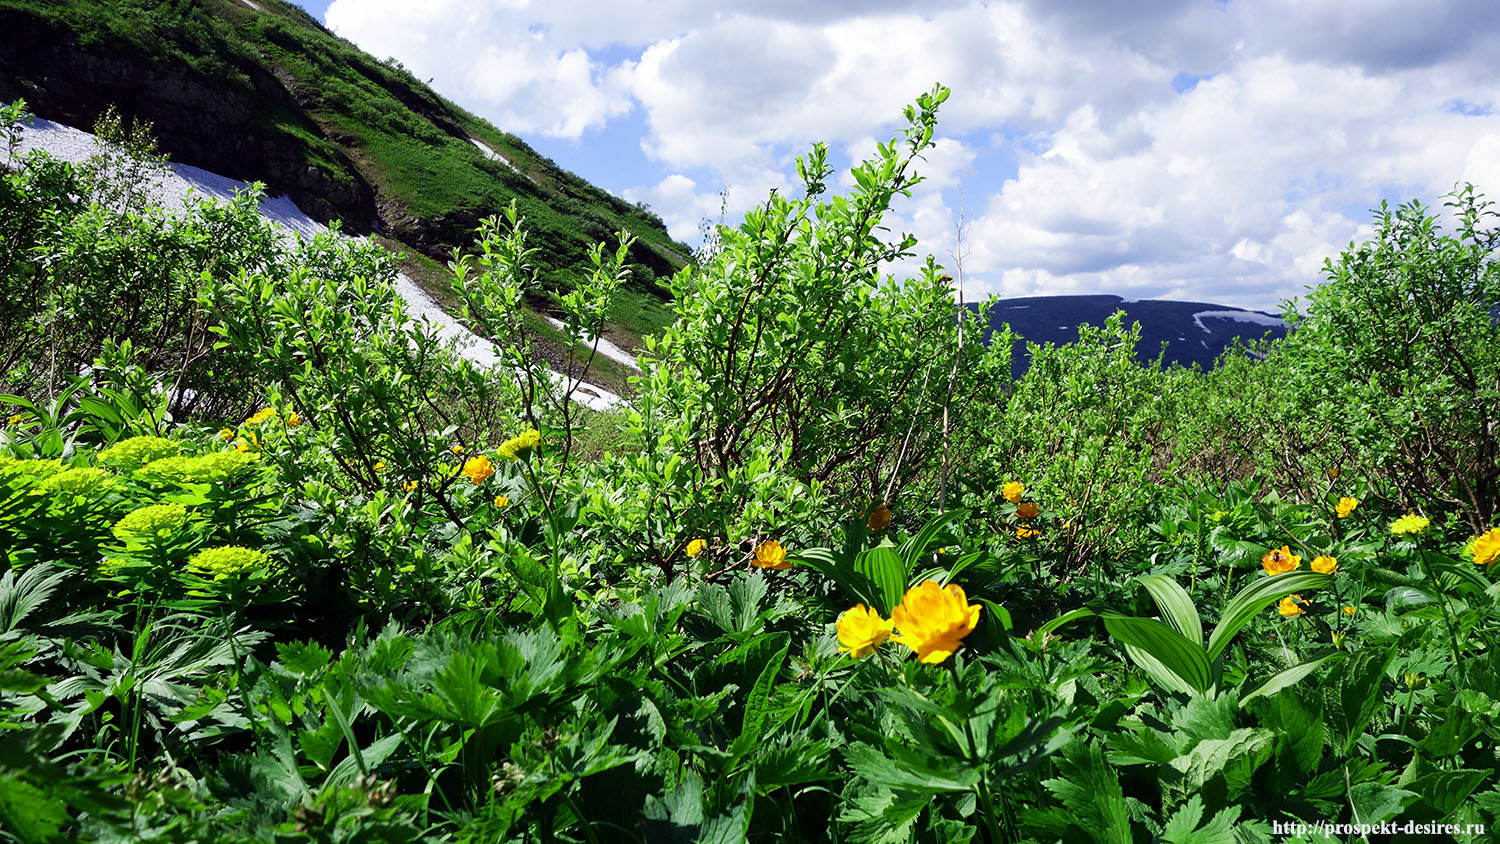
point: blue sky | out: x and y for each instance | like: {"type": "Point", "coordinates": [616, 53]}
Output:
{"type": "Point", "coordinates": [1190, 149]}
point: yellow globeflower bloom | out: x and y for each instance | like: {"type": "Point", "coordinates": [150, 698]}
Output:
{"type": "Point", "coordinates": [1324, 564]}
{"type": "Point", "coordinates": [1346, 506]}
{"type": "Point", "coordinates": [1013, 491]}
{"type": "Point", "coordinates": [696, 547]}
{"type": "Point", "coordinates": [1027, 532]}
{"type": "Point", "coordinates": [408, 486]}
{"type": "Point", "coordinates": [1486, 547]}
{"type": "Point", "coordinates": [1027, 510]}
{"type": "Point", "coordinates": [380, 465]}
{"type": "Point", "coordinates": [1410, 524]}
{"type": "Point", "coordinates": [293, 419]}
{"type": "Point", "coordinates": [770, 555]}
{"type": "Point", "coordinates": [522, 446]}
{"type": "Point", "coordinates": [861, 630]}
{"type": "Point", "coordinates": [14, 419]}
{"type": "Point", "coordinates": [1291, 605]}
{"type": "Point", "coordinates": [478, 469]}
{"type": "Point", "coordinates": [1280, 561]}
{"type": "Point", "coordinates": [241, 445]}
{"type": "Point", "coordinates": [1350, 611]}
{"type": "Point", "coordinates": [933, 620]}
{"type": "Point", "coordinates": [879, 518]}
{"type": "Point", "coordinates": [501, 502]}
{"type": "Point", "coordinates": [457, 449]}
{"type": "Point", "coordinates": [263, 415]}
{"type": "Point", "coordinates": [226, 434]}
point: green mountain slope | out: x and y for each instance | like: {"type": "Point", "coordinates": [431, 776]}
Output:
{"type": "Point", "coordinates": [263, 92]}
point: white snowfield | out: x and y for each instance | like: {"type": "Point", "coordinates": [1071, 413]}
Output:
{"type": "Point", "coordinates": [489, 153]}
{"type": "Point", "coordinates": [1252, 317]}
{"type": "Point", "coordinates": [606, 348]}
{"type": "Point", "coordinates": [182, 183]}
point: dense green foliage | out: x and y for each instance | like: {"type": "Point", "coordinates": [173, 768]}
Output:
{"type": "Point", "coordinates": [365, 590]}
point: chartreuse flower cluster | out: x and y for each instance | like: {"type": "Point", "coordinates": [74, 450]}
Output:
{"type": "Point", "coordinates": [931, 619]}
{"type": "Point", "coordinates": [227, 561]}
{"type": "Point", "coordinates": [82, 481]}
{"type": "Point", "coordinates": [155, 521]}
{"type": "Point", "coordinates": [217, 467]}
{"type": "Point", "coordinates": [133, 453]}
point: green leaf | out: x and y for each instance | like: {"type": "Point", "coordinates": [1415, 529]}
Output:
{"type": "Point", "coordinates": [1237, 758]}
{"type": "Point", "coordinates": [1091, 791]}
{"type": "Point", "coordinates": [1065, 618]}
{"type": "Point", "coordinates": [1351, 695]}
{"type": "Point", "coordinates": [1256, 597]}
{"type": "Point", "coordinates": [1173, 661]}
{"type": "Point", "coordinates": [1176, 606]}
{"type": "Point", "coordinates": [1445, 791]}
{"type": "Point", "coordinates": [30, 813]}
{"type": "Point", "coordinates": [1289, 676]}
{"type": "Point", "coordinates": [1374, 803]}
{"type": "Point", "coordinates": [916, 548]}
{"type": "Point", "coordinates": [886, 574]}
{"type": "Point", "coordinates": [1183, 827]}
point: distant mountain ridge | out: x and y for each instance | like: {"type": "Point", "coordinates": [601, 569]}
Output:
{"type": "Point", "coordinates": [1193, 333]}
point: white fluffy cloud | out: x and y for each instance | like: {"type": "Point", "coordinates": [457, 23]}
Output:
{"type": "Point", "coordinates": [1150, 148]}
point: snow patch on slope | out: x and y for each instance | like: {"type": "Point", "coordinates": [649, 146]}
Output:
{"type": "Point", "coordinates": [1252, 317]}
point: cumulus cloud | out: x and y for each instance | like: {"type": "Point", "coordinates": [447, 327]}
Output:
{"type": "Point", "coordinates": [1149, 148]}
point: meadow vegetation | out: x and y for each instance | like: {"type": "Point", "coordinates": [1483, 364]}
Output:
{"type": "Point", "coordinates": [281, 566]}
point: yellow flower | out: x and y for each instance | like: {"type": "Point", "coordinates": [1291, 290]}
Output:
{"type": "Point", "coordinates": [770, 555]}
{"type": "Point", "coordinates": [1013, 491]}
{"type": "Point", "coordinates": [265, 414]}
{"type": "Point", "coordinates": [696, 547]}
{"type": "Point", "coordinates": [1410, 524]}
{"type": "Point", "coordinates": [408, 486]}
{"type": "Point", "coordinates": [226, 434]}
{"type": "Point", "coordinates": [1350, 611]}
{"type": "Point", "coordinates": [501, 502]}
{"type": "Point", "coordinates": [1324, 564]}
{"type": "Point", "coordinates": [861, 630]}
{"type": "Point", "coordinates": [933, 619]}
{"type": "Point", "coordinates": [1333, 474]}
{"type": "Point", "coordinates": [1027, 510]}
{"type": "Point", "coordinates": [879, 518]}
{"type": "Point", "coordinates": [1027, 532]}
{"type": "Point", "coordinates": [1346, 506]}
{"type": "Point", "coordinates": [457, 449]}
{"type": "Point", "coordinates": [241, 445]}
{"type": "Point", "coordinates": [15, 419]}
{"type": "Point", "coordinates": [1280, 561]}
{"type": "Point", "coordinates": [1291, 605]}
{"type": "Point", "coordinates": [478, 469]}
{"type": "Point", "coordinates": [522, 446]}
{"type": "Point", "coordinates": [380, 465]}
{"type": "Point", "coordinates": [1486, 547]}
{"type": "Point", "coordinates": [293, 419]}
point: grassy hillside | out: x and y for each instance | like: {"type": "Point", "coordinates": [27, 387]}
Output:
{"type": "Point", "coordinates": [268, 94]}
